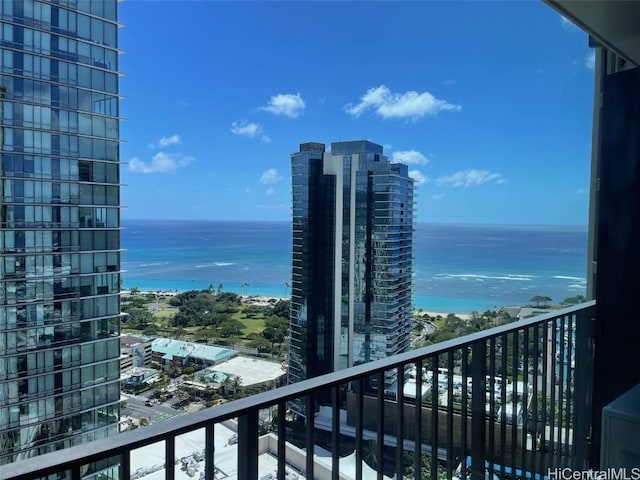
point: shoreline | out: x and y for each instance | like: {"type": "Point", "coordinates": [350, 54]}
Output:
{"type": "Point", "coordinates": [442, 305]}
{"type": "Point", "coordinates": [463, 316]}
{"type": "Point", "coordinates": [264, 300]}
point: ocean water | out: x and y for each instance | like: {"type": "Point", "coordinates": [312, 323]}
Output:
{"type": "Point", "coordinates": [458, 268]}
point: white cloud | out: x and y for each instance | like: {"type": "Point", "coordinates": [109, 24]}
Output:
{"type": "Point", "coordinates": [247, 190]}
{"type": "Point", "coordinates": [418, 177]}
{"type": "Point", "coordinates": [266, 138]}
{"type": "Point", "coordinates": [469, 178]}
{"type": "Point", "coordinates": [161, 162]}
{"type": "Point", "coordinates": [568, 25]}
{"type": "Point", "coordinates": [590, 60]}
{"type": "Point", "coordinates": [437, 196]}
{"type": "Point", "coordinates": [286, 104]}
{"type": "Point", "coordinates": [410, 157]}
{"type": "Point", "coordinates": [410, 104]}
{"type": "Point", "coordinates": [164, 142]}
{"type": "Point", "coordinates": [271, 191]}
{"type": "Point", "coordinates": [270, 176]}
{"type": "Point", "coordinates": [246, 129]}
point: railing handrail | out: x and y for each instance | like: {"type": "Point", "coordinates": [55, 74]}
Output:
{"type": "Point", "coordinates": [102, 448]}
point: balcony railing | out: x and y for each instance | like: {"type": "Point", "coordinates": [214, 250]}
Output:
{"type": "Point", "coordinates": [512, 398]}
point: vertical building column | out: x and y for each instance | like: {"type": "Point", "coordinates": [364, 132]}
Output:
{"type": "Point", "coordinates": [618, 232]}
{"type": "Point", "coordinates": [333, 166]}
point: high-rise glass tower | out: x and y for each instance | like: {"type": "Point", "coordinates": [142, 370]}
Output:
{"type": "Point", "coordinates": [59, 225]}
{"type": "Point", "coordinates": [352, 257]}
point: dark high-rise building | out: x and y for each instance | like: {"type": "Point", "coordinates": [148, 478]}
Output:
{"type": "Point", "coordinates": [59, 225]}
{"type": "Point", "coordinates": [352, 257]}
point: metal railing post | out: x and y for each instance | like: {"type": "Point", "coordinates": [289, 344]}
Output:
{"type": "Point", "coordinates": [583, 387]}
{"type": "Point", "coordinates": [209, 468]}
{"type": "Point", "coordinates": [170, 458]}
{"type": "Point", "coordinates": [478, 399]}
{"type": "Point", "coordinates": [400, 424]}
{"type": "Point", "coordinates": [248, 445]}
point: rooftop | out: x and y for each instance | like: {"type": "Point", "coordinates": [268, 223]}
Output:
{"type": "Point", "coordinates": [252, 371]}
{"type": "Point", "coordinates": [176, 348]}
{"type": "Point", "coordinates": [128, 339]}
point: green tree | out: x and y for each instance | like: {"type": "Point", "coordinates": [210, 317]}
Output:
{"type": "Point", "coordinates": [574, 300]}
{"type": "Point", "coordinates": [259, 343]}
{"type": "Point", "coordinates": [135, 302]}
{"type": "Point", "coordinates": [540, 298]}
{"type": "Point", "coordinates": [228, 298]}
{"type": "Point", "coordinates": [281, 309]}
{"type": "Point", "coordinates": [230, 327]}
{"type": "Point", "coordinates": [425, 467]}
{"type": "Point", "coordinates": [252, 311]}
{"type": "Point", "coordinates": [275, 329]}
{"type": "Point", "coordinates": [454, 323]}
{"type": "Point", "coordinates": [139, 318]}
{"type": "Point", "coordinates": [151, 330]}
{"type": "Point", "coordinates": [198, 309]}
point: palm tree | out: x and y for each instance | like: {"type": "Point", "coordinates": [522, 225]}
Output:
{"type": "Point", "coordinates": [286, 288]}
{"type": "Point", "coordinates": [236, 385]}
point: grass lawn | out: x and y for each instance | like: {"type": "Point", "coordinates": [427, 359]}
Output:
{"type": "Point", "coordinates": [163, 317]}
{"type": "Point", "coordinates": [252, 325]}
{"type": "Point", "coordinates": [438, 321]}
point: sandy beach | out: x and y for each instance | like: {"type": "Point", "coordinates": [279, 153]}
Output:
{"type": "Point", "coordinates": [463, 316]}
{"type": "Point", "coordinates": [262, 300]}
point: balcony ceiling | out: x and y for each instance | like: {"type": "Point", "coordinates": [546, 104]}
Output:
{"type": "Point", "coordinates": [613, 23]}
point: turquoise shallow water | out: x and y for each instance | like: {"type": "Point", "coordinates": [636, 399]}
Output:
{"type": "Point", "coordinates": [458, 268]}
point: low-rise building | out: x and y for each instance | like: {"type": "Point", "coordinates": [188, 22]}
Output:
{"type": "Point", "coordinates": [253, 373]}
{"type": "Point", "coordinates": [169, 353]}
{"type": "Point", "coordinates": [136, 378]}
{"type": "Point", "coordinates": [135, 351]}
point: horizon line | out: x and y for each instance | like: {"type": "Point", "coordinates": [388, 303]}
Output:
{"type": "Point", "coordinates": [451, 224]}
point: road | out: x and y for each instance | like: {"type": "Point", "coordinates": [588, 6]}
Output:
{"type": "Point", "coordinates": [157, 413]}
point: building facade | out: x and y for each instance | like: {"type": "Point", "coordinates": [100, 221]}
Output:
{"type": "Point", "coordinates": [352, 258]}
{"type": "Point", "coordinates": [59, 225]}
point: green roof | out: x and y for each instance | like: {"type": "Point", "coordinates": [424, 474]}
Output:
{"type": "Point", "coordinates": [170, 348]}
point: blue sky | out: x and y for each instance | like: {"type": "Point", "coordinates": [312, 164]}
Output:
{"type": "Point", "coordinates": [490, 104]}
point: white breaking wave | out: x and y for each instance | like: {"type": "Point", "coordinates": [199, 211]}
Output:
{"type": "Point", "coordinates": [156, 264]}
{"type": "Point", "coordinates": [577, 279]}
{"type": "Point", "coordinates": [473, 276]}
{"type": "Point", "coordinates": [215, 264]}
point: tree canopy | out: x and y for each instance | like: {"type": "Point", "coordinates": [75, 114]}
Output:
{"type": "Point", "coordinates": [574, 300]}
{"type": "Point", "coordinates": [281, 309]}
{"type": "Point", "coordinates": [276, 329]}
{"type": "Point", "coordinates": [202, 308]}
{"type": "Point", "coordinates": [540, 298]}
